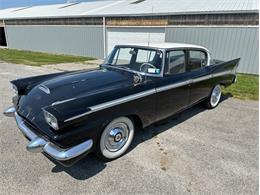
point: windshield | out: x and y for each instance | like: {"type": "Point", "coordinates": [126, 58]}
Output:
{"type": "Point", "coordinates": [136, 59]}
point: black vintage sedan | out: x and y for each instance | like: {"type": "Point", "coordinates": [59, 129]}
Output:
{"type": "Point", "coordinates": [67, 115]}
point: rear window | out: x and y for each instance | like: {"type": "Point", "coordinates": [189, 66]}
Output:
{"type": "Point", "coordinates": [197, 60]}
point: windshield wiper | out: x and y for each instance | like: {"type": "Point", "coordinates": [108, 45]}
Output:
{"type": "Point", "coordinates": [109, 64]}
{"type": "Point", "coordinates": [124, 67]}
{"type": "Point", "coordinates": [120, 66]}
{"type": "Point", "coordinates": [117, 66]}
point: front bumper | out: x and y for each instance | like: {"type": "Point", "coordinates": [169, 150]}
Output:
{"type": "Point", "coordinates": [39, 144]}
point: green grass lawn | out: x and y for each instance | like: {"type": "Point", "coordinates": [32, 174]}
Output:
{"type": "Point", "coordinates": [247, 87]}
{"type": "Point", "coordinates": [37, 58]}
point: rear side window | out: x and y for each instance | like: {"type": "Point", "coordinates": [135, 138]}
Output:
{"type": "Point", "coordinates": [175, 62]}
{"type": "Point", "coordinates": [197, 60]}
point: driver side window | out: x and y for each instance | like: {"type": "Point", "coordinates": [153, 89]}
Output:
{"type": "Point", "coordinates": [149, 61]}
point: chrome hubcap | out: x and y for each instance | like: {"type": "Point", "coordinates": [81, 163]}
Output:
{"type": "Point", "coordinates": [215, 97]}
{"type": "Point", "coordinates": [116, 137]}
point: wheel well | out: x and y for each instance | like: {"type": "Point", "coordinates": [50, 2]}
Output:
{"type": "Point", "coordinates": [136, 120]}
{"type": "Point", "coordinates": [223, 84]}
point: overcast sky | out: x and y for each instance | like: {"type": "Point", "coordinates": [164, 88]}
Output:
{"type": "Point", "coordinates": [20, 3]}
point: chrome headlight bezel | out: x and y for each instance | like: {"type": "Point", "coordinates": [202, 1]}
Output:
{"type": "Point", "coordinates": [51, 120]}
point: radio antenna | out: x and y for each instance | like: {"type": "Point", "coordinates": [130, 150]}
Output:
{"type": "Point", "coordinates": [149, 36]}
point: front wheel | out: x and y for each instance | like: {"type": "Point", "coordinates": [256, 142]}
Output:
{"type": "Point", "coordinates": [213, 100]}
{"type": "Point", "coordinates": [116, 138]}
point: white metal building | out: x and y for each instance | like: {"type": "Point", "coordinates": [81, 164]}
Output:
{"type": "Point", "coordinates": [229, 28]}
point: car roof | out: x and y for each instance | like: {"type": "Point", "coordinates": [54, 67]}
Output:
{"type": "Point", "coordinates": [166, 45]}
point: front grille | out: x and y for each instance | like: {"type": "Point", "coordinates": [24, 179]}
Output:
{"type": "Point", "coordinates": [31, 126]}
{"type": "Point", "coordinates": [39, 132]}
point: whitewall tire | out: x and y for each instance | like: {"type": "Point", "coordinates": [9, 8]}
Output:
{"type": "Point", "coordinates": [214, 97]}
{"type": "Point", "coordinates": [116, 138]}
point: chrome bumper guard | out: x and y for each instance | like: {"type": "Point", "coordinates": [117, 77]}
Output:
{"type": "Point", "coordinates": [9, 111]}
{"type": "Point", "coordinates": [38, 144]}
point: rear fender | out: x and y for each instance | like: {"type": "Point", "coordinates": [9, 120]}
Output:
{"type": "Point", "coordinates": [230, 66]}
{"type": "Point", "coordinates": [225, 72]}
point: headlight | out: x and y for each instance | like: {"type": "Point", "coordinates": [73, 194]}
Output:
{"type": "Point", "coordinates": [15, 89]}
{"type": "Point", "coordinates": [51, 120]}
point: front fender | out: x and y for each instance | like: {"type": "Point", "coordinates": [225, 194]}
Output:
{"type": "Point", "coordinates": [89, 127]}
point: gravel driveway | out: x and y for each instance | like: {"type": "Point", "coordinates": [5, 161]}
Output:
{"type": "Point", "coordinates": [201, 152]}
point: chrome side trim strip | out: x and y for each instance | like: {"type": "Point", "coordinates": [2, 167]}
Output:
{"type": "Point", "coordinates": [190, 81]}
{"type": "Point", "coordinates": [196, 80]}
{"type": "Point", "coordinates": [62, 101]}
{"type": "Point", "coordinates": [122, 100]}
{"type": "Point", "coordinates": [113, 103]}
{"type": "Point", "coordinates": [145, 93]}
{"type": "Point", "coordinates": [38, 144]}
{"type": "Point", "coordinates": [175, 85]}
{"type": "Point", "coordinates": [222, 73]}
{"type": "Point", "coordinates": [77, 116]}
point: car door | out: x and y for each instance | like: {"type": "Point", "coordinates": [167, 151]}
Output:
{"type": "Point", "coordinates": [199, 73]}
{"type": "Point", "coordinates": [173, 88]}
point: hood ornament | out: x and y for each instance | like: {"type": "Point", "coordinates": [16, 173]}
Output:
{"type": "Point", "coordinates": [44, 89]}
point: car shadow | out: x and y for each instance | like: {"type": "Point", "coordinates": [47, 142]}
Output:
{"type": "Point", "coordinates": [91, 165]}
{"type": "Point", "coordinates": [83, 169]}
{"type": "Point", "coordinates": [154, 130]}
{"type": "Point", "coordinates": [166, 124]}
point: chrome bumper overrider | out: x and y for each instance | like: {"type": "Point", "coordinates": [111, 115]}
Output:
{"type": "Point", "coordinates": [38, 144]}
{"type": "Point", "coordinates": [9, 111]}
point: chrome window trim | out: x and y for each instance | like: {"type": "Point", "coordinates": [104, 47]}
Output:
{"type": "Point", "coordinates": [140, 47]}
{"type": "Point", "coordinates": [203, 51]}
{"type": "Point", "coordinates": [193, 48]}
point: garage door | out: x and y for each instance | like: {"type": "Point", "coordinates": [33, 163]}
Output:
{"type": "Point", "coordinates": [116, 36]}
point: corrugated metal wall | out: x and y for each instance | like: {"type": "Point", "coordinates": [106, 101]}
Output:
{"type": "Point", "coordinates": [225, 43]}
{"type": "Point", "coordinates": [131, 35]}
{"type": "Point", "coordinates": [74, 40]}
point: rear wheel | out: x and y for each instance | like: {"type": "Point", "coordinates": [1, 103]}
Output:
{"type": "Point", "coordinates": [213, 100]}
{"type": "Point", "coordinates": [116, 138]}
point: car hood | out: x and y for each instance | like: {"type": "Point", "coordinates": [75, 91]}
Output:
{"type": "Point", "coordinates": [87, 85]}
